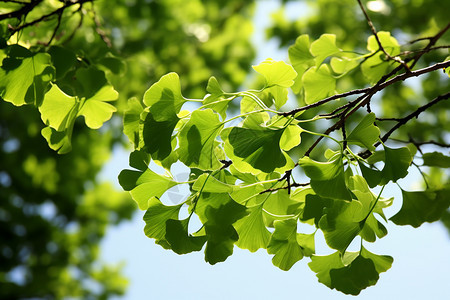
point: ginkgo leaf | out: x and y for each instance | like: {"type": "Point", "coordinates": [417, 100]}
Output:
{"type": "Point", "coordinates": [422, 206]}
{"type": "Point", "coordinates": [365, 134]}
{"type": "Point", "coordinates": [58, 109]}
{"type": "Point", "coordinates": [216, 100]}
{"type": "Point", "coordinates": [164, 98]}
{"type": "Point", "coordinates": [283, 243]}
{"type": "Point", "coordinates": [63, 60]}
{"type": "Point", "coordinates": [290, 137]}
{"type": "Point", "coordinates": [342, 223]}
{"type": "Point", "coordinates": [155, 219]}
{"type": "Point", "coordinates": [343, 65]}
{"type": "Point", "coordinates": [95, 109]}
{"type": "Point", "coordinates": [21, 73]}
{"type": "Point", "coordinates": [276, 73]}
{"type": "Point", "coordinates": [253, 234]}
{"type": "Point", "coordinates": [198, 144]}
{"type": "Point", "coordinates": [259, 147]}
{"type": "Point", "coordinates": [181, 242]}
{"type": "Point", "coordinates": [323, 47]}
{"type": "Point", "coordinates": [132, 121]}
{"type": "Point", "coordinates": [359, 271]}
{"type": "Point", "coordinates": [327, 179]}
{"type": "Point", "coordinates": [210, 184]}
{"type": "Point", "coordinates": [318, 84]}
{"type": "Point", "coordinates": [436, 159]}
{"type": "Point", "coordinates": [220, 212]}
{"type": "Point", "coordinates": [301, 59]}
{"type": "Point", "coordinates": [144, 185]}
{"type": "Point", "coordinates": [57, 140]}
{"type": "Point", "coordinates": [375, 66]}
{"type": "Point", "coordinates": [157, 135]}
{"type": "Point", "coordinates": [396, 164]}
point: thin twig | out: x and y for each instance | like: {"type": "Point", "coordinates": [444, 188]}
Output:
{"type": "Point", "coordinates": [374, 31]}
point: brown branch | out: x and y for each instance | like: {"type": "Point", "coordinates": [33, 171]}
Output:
{"type": "Point", "coordinates": [49, 15]}
{"type": "Point", "coordinates": [284, 187]}
{"type": "Point", "coordinates": [326, 100]}
{"type": "Point", "coordinates": [23, 11]}
{"type": "Point", "coordinates": [414, 114]}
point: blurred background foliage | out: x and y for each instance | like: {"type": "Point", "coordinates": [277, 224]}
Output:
{"type": "Point", "coordinates": [55, 210]}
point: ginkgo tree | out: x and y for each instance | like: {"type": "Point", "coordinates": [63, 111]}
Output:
{"type": "Point", "coordinates": [257, 175]}
{"type": "Point", "coordinates": [249, 188]}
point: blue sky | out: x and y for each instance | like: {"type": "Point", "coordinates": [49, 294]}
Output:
{"type": "Point", "coordinates": [421, 256]}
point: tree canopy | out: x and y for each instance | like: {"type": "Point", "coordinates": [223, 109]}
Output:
{"type": "Point", "coordinates": [312, 141]}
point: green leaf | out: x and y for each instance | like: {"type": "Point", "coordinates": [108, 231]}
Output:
{"type": "Point", "coordinates": [315, 208]}
{"type": "Point", "coordinates": [377, 65]}
{"type": "Point", "coordinates": [365, 133]}
{"type": "Point", "coordinates": [155, 219]}
{"type": "Point", "coordinates": [322, 265]}
{"type": "Point", "coordinates": [327, 179]}
{"type": "Point", "coordinates": [422, 206]}
{"type": "Point", "coordinates": [253, 234]}
{"type": "Point", "coordinates": [164, 98]}
{"type": "Point", "coordinates": [220, 213]}
{"type": "Point", "coordinates": [115, 64]}
{"type": "Point", "coordinates": [57, 140]}
{"type": "Point", "coordinates": [210, 184]}
{"type": "Point", "coordinates": [157, 135]}
{"type": "Point", "coordinates": [306, 241]}
{"type": "Point", "coordinates": [58, 110]}
{"type": "Point", "coordinates": [301, 59]}
{"type": "Point", "coordinates": [278, 206]}
{"type": "Point", "coordinates": [382, 262]}
{"type": "Point", "coordinates": [132, 121]}
{"type": "Point", "coordinates": [283, 243]}
{"type": "Point", "coordinates": [22, 74]}
{"type": "Point", "coordinates": [276, 73]}
{"type": "Point", "coordinates": [181, 242]}
{"type": "Point", "coordinates": [216, 99]}
{"type": "Point", "coordinates": [355, 277]}
{"type": "Point", "coordinates": [318, 84]}
{"type": "Point", "coordinates": [144, 185]}
{"type": "Point", "coordinates": [343, 65]}
{"type": "Point", "coordinates": [342, 223]}
{"type": "Point", "coordinates": [197, 140]}
{"type": "Point", "coordinates": [258, 146]}
{"type": "Point", "coordinates": [436, 159]}
{"type": "Point", "coordinates": [323, 47]}
{"type": "Point", "coordinates": [358, 272]}
{"type": "Point", "coordinates": [164, 101]}
{"type": "Point", "coordinates": [63, 60]}
{"type": "Point", "coordinates": [396, 164]}
{"type": "Point", "coordinates": [290, 137]}
{"type": "Point", "coordinates": [373, 177]}
{"type": "Point", "coordinates": [95, 109]}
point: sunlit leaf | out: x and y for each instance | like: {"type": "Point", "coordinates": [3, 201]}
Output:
{"type": "Point", "coordinates": [132, 120]}
{"type": "Point", "coordinates": [253, 234]}
{"type": "Point", "coordinates": [181, 242]}
{"type": "Point", "coordinates": [436, 159]}
{"type": "Point", "coordinates": [283, 243]}
{"type": "Point", "coordinates": [422, 206]}
{"type": "Point", "coordinates": [318, 84]}
{"type": "Point", "coordinates": [327, 179]}
{"type": "Point", "coordinates": [198, 144]}
{"type": "Point", "coordinates": [301, 59]}
{"type": "Point", "coordinates": [323, 47]}
{"type": "Point", "coordinates": [276, 73]}
{"type": "Point", "coordinates": [21, 73]}
{"type": "Point", "coordinates": [155, 219]}
{"type": "Point", "coordinates": [365, 134]}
